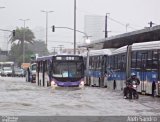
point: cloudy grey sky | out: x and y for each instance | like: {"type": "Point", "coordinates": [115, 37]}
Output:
{"type": "Point", "coordinates": [135, 12]}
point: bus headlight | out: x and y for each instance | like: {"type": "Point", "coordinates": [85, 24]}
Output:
{"type": "Point", "coordinates": [81, 83]}
{"type": "Point", "coordinates": [53, 83]}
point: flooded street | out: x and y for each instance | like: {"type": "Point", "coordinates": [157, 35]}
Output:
{"type": "Point", "coordinates": [18, 98]}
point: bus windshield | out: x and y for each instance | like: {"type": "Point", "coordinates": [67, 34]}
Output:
{"type": "Point", "coordinates": [68, 69]}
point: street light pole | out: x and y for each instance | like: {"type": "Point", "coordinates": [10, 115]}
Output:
{"type": "Point", "coordinates": [74, 26]}
{"type": "Point", "coordinates": [46, 12]}
{"type": "Point", "coordinates": [24, 21]}
{"type": "Point", "coordinates": [60, 47]}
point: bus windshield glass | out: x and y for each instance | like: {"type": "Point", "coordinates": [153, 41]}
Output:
{"type": "Point", "coordinates": [68, 69]}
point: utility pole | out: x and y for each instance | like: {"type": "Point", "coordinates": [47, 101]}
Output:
{"type": "Point", "coordinates": [151, 24]}
{"type": "Point", "coordinates": [106, 25]}
{"type": "Point", "coordinates": [54, 50]}
{"type": "Point", "coordinates": [24, 20]}
{"type": "Point", "coordinates": [60, 48]}
{"type": "Point", "coordinates": [74, 26]}
{"type": "Point", "coordinates": [127, 27]}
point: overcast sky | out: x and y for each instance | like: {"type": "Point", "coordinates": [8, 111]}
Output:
{"type": "Point", "coordinates": [135, 12]}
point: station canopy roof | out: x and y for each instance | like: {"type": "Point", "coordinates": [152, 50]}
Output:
{"type": "Point", "coordinates": [144, 35]}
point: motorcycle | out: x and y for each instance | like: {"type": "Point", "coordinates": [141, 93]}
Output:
{"type": "Point", "coordinates": [132, 91]}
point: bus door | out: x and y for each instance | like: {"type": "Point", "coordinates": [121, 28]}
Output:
{"type": "Point", "coordinates": [38, 71]}
{"type": "Point", "coordinates": [102, 66]}
{"type": "Point", "coordinates": [43, 73]}
{"type": "Point", "coordinates": [158, 84]}
{"type": "Point", "coordinates": [143, 71]}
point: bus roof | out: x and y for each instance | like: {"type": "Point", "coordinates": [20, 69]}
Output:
{"type": "Point", "coordinates": [100, 52]}
{"type": "Point", "coordinates": [146, 45]}
{"type": "Point", "coordinates": [43, 58]}
{"type": "Point", "coordinates": [120, 50]}
{"type": "Point", "coordinates": [72, 55]}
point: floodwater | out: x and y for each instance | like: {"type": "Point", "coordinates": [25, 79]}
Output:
{"type": "Point", "coordinates": [18, 98]}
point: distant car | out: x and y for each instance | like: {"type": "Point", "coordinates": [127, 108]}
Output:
{"type": "Point", "coordinates": [19, 72]}
{"type": "Point", "coordinates": [7, 71]}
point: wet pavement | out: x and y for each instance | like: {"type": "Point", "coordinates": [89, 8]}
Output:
{"type": "Point", "coordinates": [18, 98]}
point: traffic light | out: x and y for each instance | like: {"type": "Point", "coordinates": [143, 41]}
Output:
{"type": "Point", "coordinates": [53, 28]}
{"type": "Point", "coordinates": [14, 32]}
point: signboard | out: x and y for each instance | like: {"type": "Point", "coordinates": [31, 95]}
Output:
{"type": "Point", "coordinates": [25, 65]}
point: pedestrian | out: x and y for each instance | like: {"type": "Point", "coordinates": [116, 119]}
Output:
{"type": "Point", "coordinates": [28, 75]}
{"type": "Point", "coordinates": [114, 84]}
{"type": "Point", "coordinates": [153, 88]}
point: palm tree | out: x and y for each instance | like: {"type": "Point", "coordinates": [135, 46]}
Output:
{"type": "Point", "coordinates": [19, 35]}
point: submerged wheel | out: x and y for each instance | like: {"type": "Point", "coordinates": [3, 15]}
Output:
{"type": "Point", "coordinates": [129, 96]}
{"type": "Point", "coordinates": [136, 96]}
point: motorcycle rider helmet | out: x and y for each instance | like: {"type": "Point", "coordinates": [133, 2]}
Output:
{"type": "Point", "coordinates": [133, 74]}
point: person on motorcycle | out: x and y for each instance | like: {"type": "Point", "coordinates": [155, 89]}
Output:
{"type": "Point", "coordinates": [132, 79]}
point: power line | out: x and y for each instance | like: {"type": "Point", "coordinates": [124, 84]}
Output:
{"type": "Point", "coordinates": [62, 42]}
{"type": "Point", "coordinates": [116, 21]}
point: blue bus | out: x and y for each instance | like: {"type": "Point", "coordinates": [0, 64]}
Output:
{"type": "Point", "coordinates": [60, 71]}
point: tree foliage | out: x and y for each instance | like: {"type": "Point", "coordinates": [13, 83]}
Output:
{"type": "Point", "coordinates": [38, 47]}
{"type": "Point", "coordinates": [16, 56]}
{"type": "Point", "coordinates": [19, 35]}
{"type": "Point", "coordinates": [22, 35]}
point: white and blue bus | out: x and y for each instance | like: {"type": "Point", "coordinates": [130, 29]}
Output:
{"type": "Point", "coordinates": [106, 66]}
{"type": "Point", "coordinates": [60, 71]}
{"type": "Point", "coordinates": [141, 58]}
{"type": "Point", "coordinates": [116, 66]}
{"type": "Point", "coordinates": [96, 64]}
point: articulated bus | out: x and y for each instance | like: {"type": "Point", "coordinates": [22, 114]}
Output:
{"type": "Point", "coordinates": [141, 58]}
{"type": "Point", "coordinates": [96, 67]}
{"type": "Point", "coordinates": [60, 71]}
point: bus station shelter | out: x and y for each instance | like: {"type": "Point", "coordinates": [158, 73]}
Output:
{"type": "Point", "coordinates": [143, 35]}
